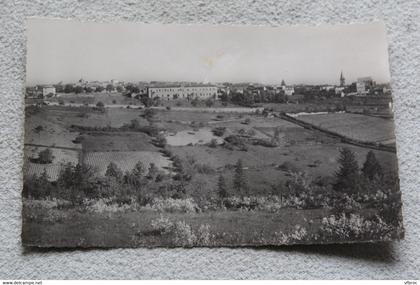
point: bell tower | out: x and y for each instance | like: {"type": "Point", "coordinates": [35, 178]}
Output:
{"type": "Point", "coordinates": [342, 79]}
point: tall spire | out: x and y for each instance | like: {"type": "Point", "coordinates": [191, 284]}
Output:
{"type": "Point", "coordinates": [342, 79]}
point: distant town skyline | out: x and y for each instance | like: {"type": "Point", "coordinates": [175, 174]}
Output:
{"type": "Point", "coordinates": [63, 50]}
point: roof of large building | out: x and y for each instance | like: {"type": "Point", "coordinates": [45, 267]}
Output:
{"type": "Point", "coordinates": [368, 78]}
{"type": "Point", "coordinates": [181, 86]}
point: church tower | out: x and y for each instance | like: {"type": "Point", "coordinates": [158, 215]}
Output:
{"type": "Point", "coordinates": [342, 79]}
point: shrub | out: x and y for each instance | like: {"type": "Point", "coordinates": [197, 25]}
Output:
{"type": "Point", "coordinates": [213, 143]}
{"type": "Point", "coordinates": [288, 166]}
{"type": "Point", "coordinates": [354, 226]}
{"type": "Point", "coordinates": [39, 129]}
{"type": "Point", "coordinates": [299, 234]}
{"type": "Point", "coordinates": [183, 234]}
{"type": "Point", "coordinates": [247, 121]}
{"type": "Point", "coordinates": [219, 131]}
{"type": "Point", "coordinates": [45, 156]}
{"type": "Point", "coordinates": [160, 141]}
{"type": "Point", "coordinates": [162, 225]}
{"type": "Point", "coordinates": [209, 102]}
{"type": "Point", "coordinates": [204, 168]}
{"type": "Point", "coordinates": [203, 235]}
{"type": "Point", "coordinates": [174, 205]}
{"type": "Point", "coordinates": [264, 142]}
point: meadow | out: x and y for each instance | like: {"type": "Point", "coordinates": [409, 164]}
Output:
{"type": "Point", "coordinates": [152, 177]}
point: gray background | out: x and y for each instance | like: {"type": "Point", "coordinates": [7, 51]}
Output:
{"type": "Point", "coordinates": [399, 260]}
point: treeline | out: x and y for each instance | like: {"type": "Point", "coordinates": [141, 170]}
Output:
{"type": "Point", "coordinates": [249, 98]}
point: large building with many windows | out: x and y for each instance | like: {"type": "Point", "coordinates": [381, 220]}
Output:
{"type": "Point", "coordinates": [186, 92]}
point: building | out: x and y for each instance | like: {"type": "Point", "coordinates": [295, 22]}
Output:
{"type": "Point", "coordinates": [364, 85]}
{"type": "Point", "coordinates": [288, 90]}
{"type": "Point", "coordinates": [48, 91]}
{"type": "Point", "coordinates": [187, 92]}
{"type": "Point", "coordinates": [342, 80]}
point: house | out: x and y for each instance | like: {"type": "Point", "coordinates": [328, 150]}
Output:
{"type": "Point", "coordinates": [364, 85]}
{"type": "Point", "coordinates": [48, 91]}
{"type": "Point", "coordinates": [288, 90]}
{"type": "Point", "coordinates": [179, 91]}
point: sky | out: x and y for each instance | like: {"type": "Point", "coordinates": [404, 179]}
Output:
{"type": "Point", "coordinates": [67, 50]}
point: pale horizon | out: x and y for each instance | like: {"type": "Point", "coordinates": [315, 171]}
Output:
{"type": "Point", "coordinates": [67, 50]}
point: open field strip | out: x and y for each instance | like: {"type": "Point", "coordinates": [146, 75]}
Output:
{"type": "Point", "coordinates": [125, 160]}
{"type": "Point", "coordinates": [61, 157]}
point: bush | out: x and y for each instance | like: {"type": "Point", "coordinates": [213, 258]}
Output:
{"type": "Point", "coordinates": [219, 131]}
{"type": "Point", "coordinates": [247, 121]}
{"type": "Point", "coordinates": [354, 226]}
{"type": "Point", "coordinates": [174, 205]}
{"type": "Point", "coordinates": [288, 166]}
{"type": "Point", "coordinates": [203, 235]}
{"type": "Point", "coordinates": [213, 143]}
{"type": "Point", "coordinates": [183, 234]}
{"type": "Point", "coordinates": [160, 141]}
{"type": "Point", "coordinates": [162, 225]}
{"type": "Point", "coordinates": [204, 169]}
{"type": "Point", "coordinates": [45, 156]}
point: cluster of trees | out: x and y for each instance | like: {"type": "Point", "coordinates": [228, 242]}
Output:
{"type": "Point", "coordinates": [350, 178]}
{"type": "Point", "coordinates": [44, 157]}
{"type": "Point", "coordinates": [239, 183]}
{"type": "Point", "coordinates": [250, 97]}
{"type": "Point", "coordinates": [78, 182]}
{"type": "Point", "coordinates": [71, 88]}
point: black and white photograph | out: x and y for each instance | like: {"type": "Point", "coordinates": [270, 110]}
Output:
{"type": "Point", "coordinates": [169, 135]}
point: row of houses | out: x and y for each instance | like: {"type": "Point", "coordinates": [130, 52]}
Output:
{"type": "Point", "coordinates": [362, 87]}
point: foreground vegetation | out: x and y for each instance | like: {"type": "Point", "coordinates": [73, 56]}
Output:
{"type": "Point", "coordinates": [357, 204]}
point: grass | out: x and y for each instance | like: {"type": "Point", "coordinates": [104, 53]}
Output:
{"type": "Point", "coordinates": [127, 228]}
{"type": "Point", "coordinates": [126, 160]}
{"type": "Point", "coordinates": [61, 156]}
{"type": "Point", "coordinates": [305, 150]}
{"type": "Point", "coordinates": [117, 141]}
{"type": "Point", "coordinates": [131, 229]}
{"type": "Point", "coordinates": [355, 126]}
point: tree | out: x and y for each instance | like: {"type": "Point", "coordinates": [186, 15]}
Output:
{"type": "Point", "coordinates": [209, 102]}
{"type": "Point", "coordinates": [100, 104]}
{"type": "Point", "coordinates": [221, 187]}
{"type": "Point", "coordinates": [239, 181]}
{"type": "Point", "coordinates": [371, 168]}
{"type": "Point", "coordinates": [45, 156]}
{"type": "Point", "coordinates": [194, 102]}
{"type": "Point", "coordinates": [347, 176]}
{"type": "Point", "coordinates": [109, 87]}
{"type": "Point", "coordinates": [119, 89]}
{"type": "Point", "coordinates": [138, 169]}
{"type": "Point", "coordinates": [68, 88]}
{"type": "Point", "coordinates": [149, 114]}
{"type": "Point", "coordinates": [153, 172]}
{"type": "Point", "coordinates": [114, 171]}
{"type": "Point", "coordinates": [99, 88]}
{"type": "Point", "coordinates": [78, 89]}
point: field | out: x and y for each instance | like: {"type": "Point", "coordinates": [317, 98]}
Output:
{"type": "Point", "coordinates": [134, 228]}
{"type": "Point", "coordinates": [61, 156]}
{"type": "Point", "coordinates": [125, 160]}
{"type": "Point", "coordinates": [192, 151]}
{"type": "Point", "coordinates": [355, 126]}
